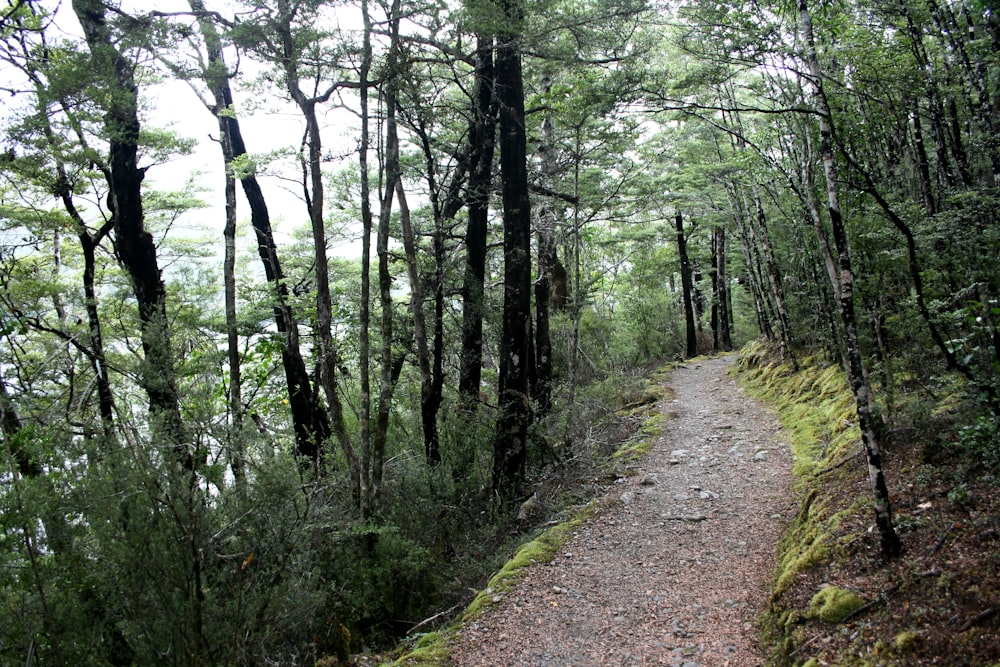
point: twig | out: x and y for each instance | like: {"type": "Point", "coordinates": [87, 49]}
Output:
{"type": "Point", "coordinates": [840, 464]}
{"type": "Point", "coordinates": [428, 621]}
{"type": "Point", "coordinates": [978, 618]}
{"type": "Point", "coordinates": [941, 541]}
{"type": "Point", "coordinates": [883, 597]}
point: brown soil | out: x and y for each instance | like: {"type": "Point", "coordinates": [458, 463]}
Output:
{"type": "Point", "coordinates": [675, 572]}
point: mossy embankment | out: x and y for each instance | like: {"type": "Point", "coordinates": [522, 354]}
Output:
{"type": "Point", "coordinates": [834, 601]}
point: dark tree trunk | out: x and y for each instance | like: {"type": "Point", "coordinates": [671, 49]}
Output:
{"type": "Point", "coordinates": [134, 246]}
{"type": "Point", "coordinates": [891, 545]}
{"type": "Point", "coordinates": [482, 139]}
{"type": "Point", "coordinates": [691, 336]}
{"type": "Point", "coordinates": [510, 444]}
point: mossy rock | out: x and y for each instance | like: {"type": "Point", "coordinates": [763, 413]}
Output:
{"type": "Point", "coordinates": [833, 604]}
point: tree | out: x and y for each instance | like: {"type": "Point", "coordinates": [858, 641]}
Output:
{"type": "Point", "coordinates": [134, 245]}
{"type": "Point", "coordinates": [482, 135]}
{"type": "Point", "coordinates": [690, 335]}
{"type": "Point", "coordinates": [857, 375]}
{"type": "Point", "coordinates": [310, 422]}
{"type": "Point", "coordinates": [510, 444]}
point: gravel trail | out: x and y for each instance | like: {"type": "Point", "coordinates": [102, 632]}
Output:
{"type": "Point", "coordinates": [676, 572]}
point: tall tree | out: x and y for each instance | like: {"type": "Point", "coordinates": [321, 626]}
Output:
{"type": "Point", "coordinates": [857, 375]}
{"type": "Point", "coordinates": [510, 446]}
{"type": "Point", "coordinates": [309, 421]}
{"type": "Point", "coordinates": [134, 245]}
{"type": "Point", "coordinates": [482, 136]}
{"type": "Point", "coordinates": [687, 288]}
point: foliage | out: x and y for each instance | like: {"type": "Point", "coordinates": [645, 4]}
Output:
{"type": "Point", "coordinates": [114, 549]}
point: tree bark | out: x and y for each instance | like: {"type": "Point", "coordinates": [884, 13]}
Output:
{"type": "Point", "coordinates": [548, 261]}
{"type": "Point", "coordinates": [366, 495]}
{"type": "Point", "coordinates": [309, 420]}
{"type": "Point", "coordinates": [482, 139]}
{"type": "Point", "coordinates": [763, 242]}
{"type": "Point", "coordinates": [325, 351]}
{"type": "Point", "coordinates": [134, 246]}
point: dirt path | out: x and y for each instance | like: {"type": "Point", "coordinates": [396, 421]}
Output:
{"type": "Point", "coordinates": [674, 575]}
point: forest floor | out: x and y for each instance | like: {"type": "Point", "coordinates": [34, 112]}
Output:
{"type": "Point", "coordinates": [676, 569]}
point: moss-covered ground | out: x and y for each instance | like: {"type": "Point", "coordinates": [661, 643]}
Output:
{"type": "Point", "coordinates": [834, 600]}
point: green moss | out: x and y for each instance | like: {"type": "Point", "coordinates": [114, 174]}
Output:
{"type": "Point", "coordinates": [431, 650]}
{"type": "Point", "coordinates": [539, 550]}
{"type": "Point", "coordinates": [906, 641]}
{"type": "Point", "coordinates": [833, 604]}
{"type": "Point", "coordinates": [817, 409]}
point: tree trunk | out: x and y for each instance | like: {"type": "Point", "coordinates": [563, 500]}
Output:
{"type": "Point", "coordinates": [309, 420]}
{"type": "Point", "coordinates": [691, 336]}
{"type": "Point", "coordinates": [325, 351]}
{"type": "Point", "coordinates": [891, 545]}
{"type": "Point", "coordinates": [547, 262]}
{"type": "Point", "coordinates": [510, 444]}
{"type": "Point", "coordinates": [722, 276]}
{"type": "Point", "coordinates": [482, 139]}
{"type": "Point", "coordinates": [134, 246]}
{"type": "Point", "coordinates": [763, 242]}
{"type": "Point", "coordinates": [366, 497]}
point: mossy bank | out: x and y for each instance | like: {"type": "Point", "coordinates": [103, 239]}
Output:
{"type": "Point", "coordinates": [834, 600]}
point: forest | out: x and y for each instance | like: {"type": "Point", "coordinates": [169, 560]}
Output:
{"type": "Point", "coordinates": [229, 441]}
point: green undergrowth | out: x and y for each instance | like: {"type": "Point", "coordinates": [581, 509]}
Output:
{"type": "Point", "coordinates": [817, 409]}
{"type": "Point", "coordinates": [433, 648]}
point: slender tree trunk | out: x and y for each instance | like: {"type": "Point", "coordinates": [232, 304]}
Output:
{"type": "Point", "coordinates": [510, 444]}
{"type": "Point", "coordinates": [381, 434]}
{"type": "Point", "coordinates": [722, 276]}
{"type": "Point", "coordinates": [309, 420]}
{"type": "Point", "coordinates": [891, 545]}
{"type": "Point", "coordinates": [482, 133]}
{"type": "Point", "coordinates": [366, 498]}
{"type": "Point", "coordinates": [576, 306]}
{"type": "Point", "coordinates": [325, 351]}
{"type": "Point", "coordinates": [547, 262]}
{"type": "Point", "coordinates": [691, 337]}
{"type": "Point", "coordinates": [713, 275]}
{"type": "Point", "coordinates": [763, 242]}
